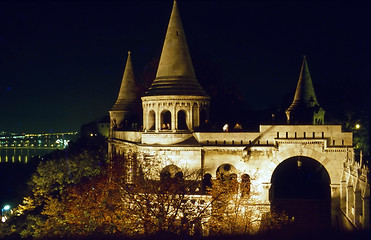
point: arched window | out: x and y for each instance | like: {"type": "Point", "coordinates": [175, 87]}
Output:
{"type": "Point", "coordinates": [166, 120]}
{"type": "Point", "coordinates": [171, 172]}
{"type": "Point", "coordinates": [182, 122]}
{"type": "Point", "coordinates": [151, 120]}
{"type": "Point", "coordinates": [226, 172]}
{"type": "Point", "coordinates": [206, 182]}
{"type": "Point", "coordinates": [245, 184]}
{"type": "Point", "coordinates": [171, 178]}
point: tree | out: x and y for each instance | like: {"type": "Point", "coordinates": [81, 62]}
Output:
{"type": "Point", "coordinates": [235, 210]}
{"type": "Point", "coordinates": [139, 194]}
{"type": "Point", "coordinates": [161, 198]}
{"type": "Point", "coordinates": [91, 207]}
{"type": "Point", "coordinates": [60, 170]}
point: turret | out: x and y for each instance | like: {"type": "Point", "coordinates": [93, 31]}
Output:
{"type": "Point", "coordinates": [175, 102]}
{"type": "Point", "coordinates": [124, 113]}
{"type": "Point", "coordinates": [305, 108]}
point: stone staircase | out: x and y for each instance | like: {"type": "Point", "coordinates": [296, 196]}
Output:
{"type": "Point", "coordinates": [308, 214]}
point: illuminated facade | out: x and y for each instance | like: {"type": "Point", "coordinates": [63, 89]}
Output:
{"type": "Point", "coordinates": [175, 111]}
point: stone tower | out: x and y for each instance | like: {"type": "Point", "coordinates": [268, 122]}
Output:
{"type": "Point", "coordinates": [305, 108]}
{"type": "Point", "coordinates": [175, 102]}
{"type": "Point", "coordinates": [125, 111]}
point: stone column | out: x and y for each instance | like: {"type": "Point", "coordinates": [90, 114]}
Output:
{"type": "Point", "coordinates": [335, 206]}
{"type": "Point", "coordinates": [191, 120]}
{"type": "Point", "coordinates": [366, 211]}
{"type": "Point", "coordinates": [265, 193]}
{"type": "Point", "coordinates": [357, 205]}
{"type": "Point", "coordinates": [157, 118]}
{"type": "Point", "coordinates": [343, 185]}
{"type": "Point", "coordinates": [174, 118]}
{"type": "Point", "coordinates": [350, 201]}
{"type": "Point", "coordinates": [145, 117]}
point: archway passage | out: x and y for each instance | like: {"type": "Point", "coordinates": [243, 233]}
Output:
{"type": "Point", "coordinates": [301, 189]}
{"type": "Point", "coordinates": [151, 120]}
{"type": "Point", "coordinates": [182, 122]}
{"type": "Point", "coordinates": [165, 120]}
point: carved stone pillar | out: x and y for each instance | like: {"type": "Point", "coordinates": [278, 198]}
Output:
{"type": "Point", "coordinates": [335, 205]}
{"type": "Point", "coordinates": [265, 193]}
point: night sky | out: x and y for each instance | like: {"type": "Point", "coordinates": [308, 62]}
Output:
{"type": "Point", "coordinates": [61, 63]}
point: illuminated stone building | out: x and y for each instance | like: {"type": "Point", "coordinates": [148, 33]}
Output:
{"type": "Point", "coordinates": [175, 110]}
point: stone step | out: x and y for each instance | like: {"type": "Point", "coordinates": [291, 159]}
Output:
{"type": "Point", "coordinates": [308, 214]}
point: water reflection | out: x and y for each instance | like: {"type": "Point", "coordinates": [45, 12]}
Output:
{"type": "Point", "coordinates": [21, 155]}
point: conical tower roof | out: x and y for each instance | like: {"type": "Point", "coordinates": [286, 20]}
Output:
{"type": "Point", "coordinates": [175, 74]}
{"type": "Point", "coordinates": [127, 96]}
{"type": "Point", "coordinates": [304, 94]}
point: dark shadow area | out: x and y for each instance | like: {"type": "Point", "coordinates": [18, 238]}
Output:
{"type": "Point", "coordinates": [301, 189]}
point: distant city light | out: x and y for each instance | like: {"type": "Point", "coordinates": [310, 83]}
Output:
{"type": "Point", "coordinates": [6, 207]}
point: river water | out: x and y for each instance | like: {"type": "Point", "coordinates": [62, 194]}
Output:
{"type": "Point", "coordinates": [16, 168]}
{"type": "Point", "coordinates": [21, 155]}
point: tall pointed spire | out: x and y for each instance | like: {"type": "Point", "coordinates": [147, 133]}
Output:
{"type": "Point", "coordinates": [127, 95]}
{"type": "Point", "coordinates": [175, 74]}
{"type": "Point", "coordinates": [305, 108]}
{"type": "Point", "coordinates": [304, 90]}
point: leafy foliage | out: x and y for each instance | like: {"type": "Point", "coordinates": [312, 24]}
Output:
{"type": "Point", "coordinates": [134, 195]}
{"type": "Point", "coordinates": [49, 184]}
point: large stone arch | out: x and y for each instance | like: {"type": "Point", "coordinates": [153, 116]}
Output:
{"type": "Point", "coordinates": [289, 169]}
{"type": "Point", "coordinates": [301, 188]}
{"type": "Point", "coordinates": [331, 167]}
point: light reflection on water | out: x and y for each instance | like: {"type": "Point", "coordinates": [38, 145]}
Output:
{"type": "Point", "coordinates": [21, 155]}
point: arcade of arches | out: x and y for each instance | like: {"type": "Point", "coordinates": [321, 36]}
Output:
{"type": "Point", "coordinates": [174, 115]}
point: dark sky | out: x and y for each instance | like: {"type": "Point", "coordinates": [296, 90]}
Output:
{"type": "Point", "coordinates": [61, 63]}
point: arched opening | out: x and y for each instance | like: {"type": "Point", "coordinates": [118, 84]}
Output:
{"type": "Point", "coordinates": [203, 116]}
{"type": "Point", "coordinates": [226, 172]}
{"type": "Point", "coordinates": [245, 184]}
{"type": "Point", "coordinates": [301, 189]}
{"type": "Point", "coordinates": [166, 120]}
{"type": "Point", "coordinates": [206, 182]}
{"type": "Point", "coordinates": [182, 122]}
{"type": "Point", "coordinates": [171, 179]}
{"type": "Point", "coordinates": [151, 120]}
{"type": "Point", "coordinates": [171, 172]}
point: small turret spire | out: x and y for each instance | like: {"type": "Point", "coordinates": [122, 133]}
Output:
{"type": "Point", "coordinates": [305, 108]}
{"type": "Point", "coordinates": [125, 112]}
{"type": "Point", "coordinates": [175, 74]}
{"type": "Point", "coordinates": [127, 94]}
{"type": "Point", "coordinates": [304, 90]}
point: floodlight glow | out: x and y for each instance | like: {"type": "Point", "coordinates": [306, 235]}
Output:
{"type": "Point", "coordinates": [358, 126]}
